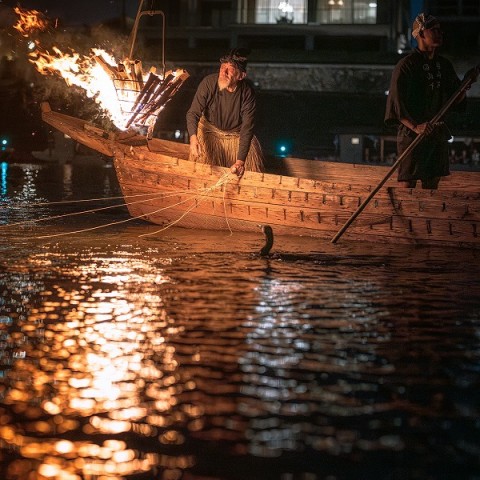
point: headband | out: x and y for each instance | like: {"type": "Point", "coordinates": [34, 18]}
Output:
{"type": "Point", "coordinates": [236, 57]}
{"type": "Point", "coordinates": [423, 22]}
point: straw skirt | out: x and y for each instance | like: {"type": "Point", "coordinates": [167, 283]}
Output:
{"type": "Point", "coordinates": [220, 148]}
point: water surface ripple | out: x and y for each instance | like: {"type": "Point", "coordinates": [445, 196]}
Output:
{"type": "Point", "coordinates": [186, 355]}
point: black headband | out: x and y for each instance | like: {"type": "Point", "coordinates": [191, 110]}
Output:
{"type": "Point", "coordinates": [236, 57]}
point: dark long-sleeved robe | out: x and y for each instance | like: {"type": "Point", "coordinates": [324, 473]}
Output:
{"type": "Point", "coordinates": [227, 111]}
{"type": "Point", "coordinates": [418, 90]}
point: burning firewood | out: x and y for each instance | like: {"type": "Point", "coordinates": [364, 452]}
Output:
{"type": "Point", "coordinates": [137, 72]}
{"type": "Point", "coordinates": [110, 70]}
{"type": "Point", "coordinates": [130, 96]}
{"type": "Point", "coordinates": [162, 94]}
{"type": "Point", "coordinates": [144, 96]}
{"type": "Point", "coordinates": [142, 100]}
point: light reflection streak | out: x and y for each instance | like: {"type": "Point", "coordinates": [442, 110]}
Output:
{"type": "Point", "coordinates": [3, 179]}
{"type": "Point", "coordinates": [67, 180]}
{"type": "Point", "coordinates": [104, 368]}
{"type": "Point", "coordinates": [29, 188]}
{"type": "Point", "coordinates": [282, 348]}
{"type": "Point", "coordinates": [266, 385]}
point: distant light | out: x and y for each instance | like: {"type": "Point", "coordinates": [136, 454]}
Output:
{"type": "Point", "coordinates": [451, 139]}
{"type": "Point", "coordinates": [178, 133]}
{"type": "Point", "coordinates": [399, 51]}
{"type": "Point", "coordinates": [31, 45]}
{"type": "Point", "coordinates": [283, 147]}
{"type": "Point", "coordinates": [355, 141]}
{"type": "Point", "coordinates": [372, 5]}
{"type": "Point", "coordinates": [387, 92]}
{"type": "Point", "coordinates": [285, 7]}
{"type": "Point", "coordinates": [4, 141]}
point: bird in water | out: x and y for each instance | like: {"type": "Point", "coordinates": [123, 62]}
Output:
{"type": "Point", "coordinates": [268, 232]}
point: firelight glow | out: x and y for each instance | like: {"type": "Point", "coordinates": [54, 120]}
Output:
{"type": "Point", "coordinates": [29, 21]}
{"type": "Point", "coordinates": [129, 96]}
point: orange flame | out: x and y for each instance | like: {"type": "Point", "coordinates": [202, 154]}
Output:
{"type": "Point", "coordinates": [29, 21]}
{"type": "Point", "coordinates": [127, 94]}
{"type": "Point", "coordinates": [82, 72]}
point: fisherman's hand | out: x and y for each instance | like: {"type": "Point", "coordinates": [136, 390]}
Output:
{"type": "Point", "coordinates": [195, 149]}
{"type": "Point", "coordinates": [424, 128]}
{"type": "Point", "coordinates": [472, 74]}
{"type": "Point", "coordinates": [238, 167]}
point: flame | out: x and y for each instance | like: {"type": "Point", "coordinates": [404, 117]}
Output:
{"type": "Point", "coordinates": [29, 21]}
{"type": "Point", "coordinates": [129, 96]}
{"type": "Point", "coordinates": [83, 72]}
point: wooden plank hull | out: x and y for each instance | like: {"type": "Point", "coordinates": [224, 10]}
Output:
{"type": "Point", "coordinates": [162, 186]}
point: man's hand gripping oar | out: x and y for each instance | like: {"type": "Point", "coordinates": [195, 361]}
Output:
{"type": "Point", "coordinates": [469, 78]}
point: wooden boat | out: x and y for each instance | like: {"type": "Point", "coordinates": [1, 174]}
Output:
{"type": "Point", "coordinates": [299, 197]}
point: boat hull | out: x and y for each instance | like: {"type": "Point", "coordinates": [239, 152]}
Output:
{"type": "Point", "coordinates": [160, 185]}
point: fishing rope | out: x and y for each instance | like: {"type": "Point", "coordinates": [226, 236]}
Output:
{"type": "Point", "coordinates": [93, 210]}
{"type": "Point", "coordinates": [112, 223]}
{"type": "Point", "coordinates": [223, 180]}
{"type": "Point", "coordinates": [206, 190]}
{"type": "Point", "coordinates": [225, 207]}
{"type": "Point", "coordinates": [63, 202]}
{"type": "Point", "coordinates": [171, 224]}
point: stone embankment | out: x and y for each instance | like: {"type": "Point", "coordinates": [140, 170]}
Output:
{"type": "Point", "coordinates": [321, 78]}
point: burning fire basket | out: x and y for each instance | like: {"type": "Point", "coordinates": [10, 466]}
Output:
{"type": "Point", "coordinates": [141, 97]}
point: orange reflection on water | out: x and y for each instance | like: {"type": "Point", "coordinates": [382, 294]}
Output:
{"type": "Point", "coordinates": [99, 365]}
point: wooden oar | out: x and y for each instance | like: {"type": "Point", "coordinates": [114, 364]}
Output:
{"type": "Point", "coordinates": [464, 86]}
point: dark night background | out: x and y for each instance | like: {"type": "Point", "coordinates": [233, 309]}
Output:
{"type": "Point", "coordinates": [80, 11]}
{"type": "Point", "coordinates": [305, 121]}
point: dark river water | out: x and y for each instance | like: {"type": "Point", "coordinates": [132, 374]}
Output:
{"type": "Point", "coordinates": [128, 353]}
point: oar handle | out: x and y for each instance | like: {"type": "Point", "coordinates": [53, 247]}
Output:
{"type": "Point", "coordinates": [464, 86]}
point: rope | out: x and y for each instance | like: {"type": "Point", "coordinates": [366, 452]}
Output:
{"type": "Point", "coordinates": [220, 182]}
{"type": "Point", "coordinates": [225, 208]}
{"type": "Point", "coordinates": [93, 210]}
{"type": "Point", "coordinates": [171, 224]}
{"type": "Point", "coordinates": [63, 202]}
{"type": "Point", "coordinates": [112, 223]}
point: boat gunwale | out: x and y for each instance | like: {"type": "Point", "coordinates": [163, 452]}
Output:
{"type": "Point", "coordinates": [113, 145]}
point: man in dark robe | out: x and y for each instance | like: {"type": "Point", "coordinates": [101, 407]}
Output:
{"type": "Point", "coordinates": [421, 84]}
{"type": "Point", "coordinates": [221, 118]}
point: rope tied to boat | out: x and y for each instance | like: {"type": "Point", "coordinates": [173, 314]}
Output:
{"type": "Point", "coordinates": [191, 196]}
{"type": "Point", "coordinates": [223, 180]}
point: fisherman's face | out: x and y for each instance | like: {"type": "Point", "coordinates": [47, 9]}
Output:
{"type": "Point", "coordinates": [433, 36]}
{"type": "Point", "coordinates": [229, 76]}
